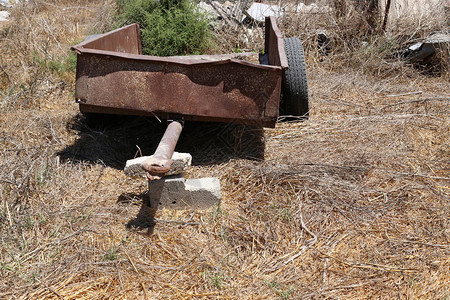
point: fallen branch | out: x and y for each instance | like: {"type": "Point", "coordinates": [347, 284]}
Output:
{"type": "Point", "coordinates": [415, 101]}
{"type": "Point", "coordinates": [139, 274]}
{"type": "Point", "coordinates": [38, 249]}
{"type": "Point", "coordinates": [370, 265]}
{"type": "Point", "coordinates": [175, 222]}
{"type": "Point", "coordinates": [423, 244]}
{"type": "Point", "coordinates": [415, 174]}
{"type": "Point", "coordinates": [405, 94]}
{"type": "Point", "coordinates": [302, 249]}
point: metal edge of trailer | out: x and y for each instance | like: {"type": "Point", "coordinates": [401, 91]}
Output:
{"type": "Point", "coordinates": [274, 44]}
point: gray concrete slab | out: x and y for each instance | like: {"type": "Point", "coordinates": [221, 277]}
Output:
{"type": "Point", "coordinates": [178, 192]}
{"type": "Point", "coordinates": [181, 161]}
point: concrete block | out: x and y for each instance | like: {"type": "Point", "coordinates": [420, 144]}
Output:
{"type": "Point", "coordinates": [178, 192]}
{"type": "Point", "coordinates": [181, 161]}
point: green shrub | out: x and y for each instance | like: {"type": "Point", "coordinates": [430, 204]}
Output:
{"type": "Point", "coordinates": [60, 65]}
{"type": "Point", "coordinates": [168, 27]}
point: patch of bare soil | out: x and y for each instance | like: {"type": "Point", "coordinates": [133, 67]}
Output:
{"type": "Point", "coordinates": [351, 204]}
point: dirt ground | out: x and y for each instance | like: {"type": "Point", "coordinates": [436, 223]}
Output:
{"type": "Point", "coordinates": [352, 203]}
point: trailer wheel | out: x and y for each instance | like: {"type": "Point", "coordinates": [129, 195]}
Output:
{"type": "Point", "coordinates": [295, 87]}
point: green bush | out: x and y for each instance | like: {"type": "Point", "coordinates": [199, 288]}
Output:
{"type": "Point", "coordinates": [67, 63]}
{"type": "Point", "coordinates": [168, 27]}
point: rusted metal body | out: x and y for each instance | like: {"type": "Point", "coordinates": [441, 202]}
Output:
{"type": "Point", "coordinates": [114, 77]}
{"type": "Point", "coordinates": [160, 162]}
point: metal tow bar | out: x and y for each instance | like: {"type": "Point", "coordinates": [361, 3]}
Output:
{"type": "Point", "coordinates": [160, 163]}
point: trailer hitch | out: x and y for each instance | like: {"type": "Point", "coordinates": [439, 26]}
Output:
{"type": "Point", "coordinates": [159, 164]}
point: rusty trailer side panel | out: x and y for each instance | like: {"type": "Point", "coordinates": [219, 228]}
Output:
{"type": "Point", "coordinates": [274, 44]}
{"type": "Point", "coordinates": [123, 40]}
{"type": "Point", "coordinates": [113, 77]}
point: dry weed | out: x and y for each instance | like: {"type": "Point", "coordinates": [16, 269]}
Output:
{"type": "Point", "coordinates": [351, 43]}
{"type": "Point", "coordinates": [35, 46]}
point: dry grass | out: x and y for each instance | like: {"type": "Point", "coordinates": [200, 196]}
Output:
{"type": "Point", "coordinates": [351, 204]}
{"type": "Point", "coordinates": [351, 46]}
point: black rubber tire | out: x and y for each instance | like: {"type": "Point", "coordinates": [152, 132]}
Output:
{"type": "Point", "coordinates": [295, 86]}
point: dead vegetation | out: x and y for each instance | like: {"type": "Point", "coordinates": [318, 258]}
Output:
{"type": "Point", "coordinates": [351, 204]}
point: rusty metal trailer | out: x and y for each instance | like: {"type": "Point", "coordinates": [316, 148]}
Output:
{"type": "Point", "coordinates": [113, 77]}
